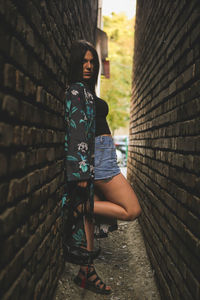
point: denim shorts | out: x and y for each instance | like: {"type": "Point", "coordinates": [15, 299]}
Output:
{"type": "Point", "coordinates": [105, 158]}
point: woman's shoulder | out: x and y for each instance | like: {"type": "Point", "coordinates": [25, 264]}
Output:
{"type": "Point", "coordinates": [75, 90]}
{"type": "Point", "coordinates": [80, 91]}
{"type": "Point", "coordinates": [100, 100]}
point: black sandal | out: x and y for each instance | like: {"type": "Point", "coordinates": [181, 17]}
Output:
{"type": "Point", "coordinates": [91, 285]}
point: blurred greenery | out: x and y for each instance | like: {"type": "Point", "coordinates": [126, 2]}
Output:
{"type": "Point", "coordinates": [116, 90]}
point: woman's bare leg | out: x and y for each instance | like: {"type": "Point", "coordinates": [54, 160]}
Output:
{"type": "Point", "coordinates": [121, 202]}
{"type": "Point", "coordinates": [89, 231]}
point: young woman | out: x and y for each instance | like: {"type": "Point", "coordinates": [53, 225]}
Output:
{"type": "Point", "coordinates": [90, 161]}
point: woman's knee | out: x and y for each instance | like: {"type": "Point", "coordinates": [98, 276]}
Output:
{"type": "Point", "coordinates": [133, 214]}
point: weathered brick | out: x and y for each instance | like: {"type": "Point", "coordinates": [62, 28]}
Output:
{"type": "Point", "coordinates": [193, 284]}
{"type": "Point", "coordinates": [50, 154]}
{"type": "Point", "coordinates": [163, 163]}
{"type": "Point", "coordinates": [30, 247]}
{"type": "Point", "coordinates": [42, 248]}
{"type": "Point", "coordinates": [5, 40]}
{"type": "Point", "coordinates": [38, 290]}
{"type": "Point", "coordinates": [14, 290]}
{"type": "Point", "coordinates": [41, 155]}
{"type": "Point", "coordinates": [3, 164]}
{"type": "Point", "coordinates": [28, 291]}
{"type": "Point", "coordinates": [197, 144]}
{"type": "Point", "coordinates": [4, 186]}
{"type": "Point", "coordinates": [33, 181]}
{"type": "Point", "coordinates": [17, 162]}
{"type": "Point", "coordinates": [22, 211]}
{"type": "Point", "coordinates": [33, 222]}
{"type": "Point", "coordinates": [11, 13]}
{"type": "Point", "coordinates": [20, 236]}
{"type": "Point", "coordinates": [13, 269]}
{"type": "Point", "coordinates": [34, 64]}
{"type": "Point", "coordinates": [40, 96]}
{"type": "Point", "coordinates": [10, 106]}
{"type": "Point", "coordinates": [7, 221]}
{"type": "Point", "coordinates": [29, 87]}
{"type": "Point", "coordinates": [31, 158]}
{"type": "Point", "coordinates": [17, 189]}
{"type": "Point", "coordinates": [7, 251]}
{"type": "Point", "coordinates": [195, 32]}
{"type": "Point", "coordinates": [27, 112]}
{"type": "Point", "coordinates": [19, 81]}
{"type": "Point", "coordinates": [18, 52]}
{"type": "Point", "coordinates": [16, 135]}
{"type": "Point", "coordinates": [9, 76]}
{"type": "Point", "coordinates": [6, 134]}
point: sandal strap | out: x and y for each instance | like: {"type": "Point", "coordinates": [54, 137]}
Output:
{"type": "Point", "coordinates": [100, 287]}
{"type": "Point", "coordinates": [104, 286]}
{"type": "Point", "coordinates": [97, 278]}
{"type": "Point", "coordinates": [90, 274]}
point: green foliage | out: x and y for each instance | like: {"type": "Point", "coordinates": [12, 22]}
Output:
{"type": "Point", "coordinates": [117, 90]}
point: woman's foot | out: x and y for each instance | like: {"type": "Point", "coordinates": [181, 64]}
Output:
{"type": "Point", "coordinates": [87, 278]}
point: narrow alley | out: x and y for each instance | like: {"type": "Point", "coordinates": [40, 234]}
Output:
{"type": "Point", "coordinates": [163, 163]}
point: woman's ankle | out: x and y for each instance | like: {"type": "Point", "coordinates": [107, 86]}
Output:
{"type": "Point", "coordinates": [87, 268]}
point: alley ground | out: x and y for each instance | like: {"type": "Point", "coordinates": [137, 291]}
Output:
{"type": "Point", "coordinates": [123, 264]}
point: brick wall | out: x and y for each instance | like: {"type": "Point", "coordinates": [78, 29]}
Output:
{"type": "Point", "coordinates": [164, 151]}
{"type": "Point", "coordinates": [34, 52]}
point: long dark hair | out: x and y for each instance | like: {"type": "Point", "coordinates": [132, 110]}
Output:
{"type": "Point", "coordinates": [78, 50]}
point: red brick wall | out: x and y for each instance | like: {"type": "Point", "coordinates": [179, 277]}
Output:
{"type": "Point", "coordinates": [164, 151]}
{"type": "Point", "coordinates": [34, 52]}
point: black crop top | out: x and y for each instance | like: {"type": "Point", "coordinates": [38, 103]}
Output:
{"type": "Point", "coordinates": [101, 113]}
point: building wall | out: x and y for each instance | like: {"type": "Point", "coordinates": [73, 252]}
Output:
{"type": "Point", "coordinates": [164, 151]}
{"type": "Point", "coordinates": [34, 52]}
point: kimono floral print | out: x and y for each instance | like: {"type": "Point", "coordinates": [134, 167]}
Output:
{"type": "Point", "coordinates": [79, 117]}
{"type": "Point", "coordinates": [79, 125]}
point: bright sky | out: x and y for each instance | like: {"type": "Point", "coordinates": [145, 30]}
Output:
{"type": "Point", "coordinates": [117, 6]}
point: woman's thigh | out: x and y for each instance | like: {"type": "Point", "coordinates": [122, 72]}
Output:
{"type": "Point", "coordinates": [120, 192]}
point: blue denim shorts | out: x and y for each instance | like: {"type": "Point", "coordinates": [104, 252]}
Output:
{"type": "Point", "coordinates": [105, 158]}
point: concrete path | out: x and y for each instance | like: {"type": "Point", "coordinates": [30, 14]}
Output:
{"type": "Point", "coordinates": [123, 264]}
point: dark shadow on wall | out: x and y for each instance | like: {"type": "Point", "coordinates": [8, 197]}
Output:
{"type": "Point", "coordinates": [164, 160]}
{"type": "Point", "coordinates": [35, 40]}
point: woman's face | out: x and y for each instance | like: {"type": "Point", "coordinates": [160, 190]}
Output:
{"type": "Point", "coordinates": [88, 65]}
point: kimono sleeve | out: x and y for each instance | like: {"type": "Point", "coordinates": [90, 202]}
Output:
{"type": "Point", "coordinates": [76, 140]}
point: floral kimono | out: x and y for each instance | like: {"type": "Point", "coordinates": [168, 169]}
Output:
{"type": "Point", "coordinates": [79, 166]}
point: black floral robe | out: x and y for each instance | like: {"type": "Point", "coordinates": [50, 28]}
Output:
{"type": "Point", "coordinates": [79, 162]}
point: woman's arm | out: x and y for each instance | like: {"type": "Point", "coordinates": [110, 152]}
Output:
{"type": "Point", "coordinates": [76, 140]}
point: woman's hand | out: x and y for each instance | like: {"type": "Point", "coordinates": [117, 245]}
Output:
{"type": "Point", "coordinates": [82, 184]}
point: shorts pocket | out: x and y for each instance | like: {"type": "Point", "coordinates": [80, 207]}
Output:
{"type": "Point", "coordinates": [114, 157]}
{"type": "Point", "coordinates": [98, 156]}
